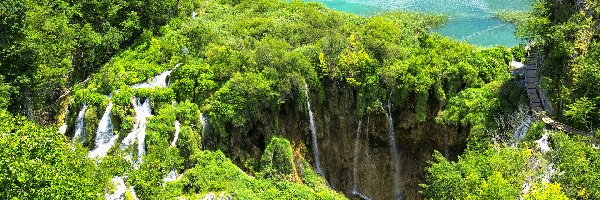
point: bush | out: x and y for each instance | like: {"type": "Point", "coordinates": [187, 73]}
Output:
{"type": "Point", "coordinates": [277, 160]}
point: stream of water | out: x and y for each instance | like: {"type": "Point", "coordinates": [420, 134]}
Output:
{"type": "Point", "coordinates": [313, 131]}
{"type": "Point", "coordinates": [395, 161]}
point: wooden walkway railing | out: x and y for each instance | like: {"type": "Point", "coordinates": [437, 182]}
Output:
{"type": "Point", "coordinates": [537, 97]}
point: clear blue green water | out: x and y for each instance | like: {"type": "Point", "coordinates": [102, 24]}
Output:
{"type": "Point", "coordinates": [469, 20]}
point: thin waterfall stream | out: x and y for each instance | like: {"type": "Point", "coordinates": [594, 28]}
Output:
{"type": "Point", "coordinates": [176, 136]}
{"type": "Point", "coordinates": [79, 126]}
{"type": "Point", "coordinates": [394, 152]}
{"type": "Point", "coordinates": [142, 112]}
{"type": "Point", "coordinates": [313, 131]}
{"type": "Point", "coordinates": [355, 190]}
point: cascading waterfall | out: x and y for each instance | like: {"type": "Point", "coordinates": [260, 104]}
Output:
{"type": "Point", "coordinates": [543, 143]}
{"type": "Point", "coordinates": [120, 189]}
{"type": "Point", "coordinates": [204, 123]}
{"type": "Point", "coordinates": [355, 190]}
{"type": "Point", "coordinates": [522, 129]}
{"type": "Point", "coordinates": [172, 176]}
{"type": "Point", "coordinates": [63, 128]}
{"type": "Point", "coordinates": [544, 147]}
{"type": "Point", "coordinates": [394, 151]}
{"type": "Point", "coordinates": [142, 112]}
{"type": "Point", "coordinates": [177, 128]}
{"type": "Point", "coordinates": [548, 169]}
{"type": "Point", "coordinates": [313, 131]}
{"type": "Point", "coordinates": [157, 81]}
{"type": "Point", "coordinates": [105, 138]}
{"type": "Point", "coordinates": [79, 130]}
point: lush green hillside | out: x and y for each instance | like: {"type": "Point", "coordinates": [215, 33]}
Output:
{"type": "Point", "coordinates": [236, 72]}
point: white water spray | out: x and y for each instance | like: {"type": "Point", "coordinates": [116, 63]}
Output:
{"type": "Point", "coordinates": [79, 134]}
{"type": "Point", "coordinates": [172, 176]}
{"type": "Point", "coordinates": [313, 131]}
{"type": "Point", "coordinates": [105, 138]}
{"type": "Point", "coordinates": [204, 123]}
{"type": "Point", "coordinates": [543, 143]}
{"type": "Point", "coordinates": [63, 128]}
{"type": "Point", "coordinates": [521, 131]}
{"type": "Point", "coordinates": [120, 190]}
{"type": "Point", "coordinates": [394, 151]}
{"type": "Point", "coordinates": [142, 112]}
{"type": "Point", "coordinates": [354, 171]}
{"type": "Point", "coordinates": [177, 128]}
{"type": "Point", "coordinates": [355, 190]}
{"type": "Point", "coordinates": [157, 81]}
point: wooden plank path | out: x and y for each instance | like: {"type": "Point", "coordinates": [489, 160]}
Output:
{"type": "Point", "coordinates": [532, 82]}
{"type": "Point", "coordinates": [537, 97]}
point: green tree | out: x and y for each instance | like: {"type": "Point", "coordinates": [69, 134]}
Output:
{"type": "Point", "coordinates": [38, 163]}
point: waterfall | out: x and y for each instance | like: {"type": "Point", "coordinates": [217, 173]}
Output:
{"type": "Point", "coordinates": [543, 143]}
{"type": "Point", "coordinates": [204, 124]}
{"type": "Point", "coordinates": [176, 136]}
{"type": "Point", "coordinates": [394, 150]}
{"type": "Point", "coordinates": [142, 112]}
{"type": "Point", "coordinates": [157, 81]}
{"type": "Point", "coordinates": [447, 150]}
{"type": "Point", "coordinates": [172, 176]}
{"type": "Point", "coordinates": [544, 147]}
{"type": "Point", "coordinates": [354, 171]}
{"type": "Point", "coordinates": [63, 128]}
{"type": "Point", "coordinates": [313, 131]}
{"type": "Point", "coordinates": [79, 130]}
{"type": "Point", "coordinates": [120, 189]}
{"type": "Point", "coordinates": [520, 132]}
{"type": "Point", "coordinates": [105, 138]}
{"type": "Point", "coordinates": [177, 128]}
{"type": "Point", "coordinates": [367, 155]}
{"type": "Point", "coordinates": [355, 190]}
{"type": "Point", "coordinates": [548, 169]}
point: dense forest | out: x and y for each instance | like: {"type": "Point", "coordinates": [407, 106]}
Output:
{"type": "Point", "coordinates": [271, 99]}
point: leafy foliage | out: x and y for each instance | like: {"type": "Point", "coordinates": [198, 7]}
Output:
{"type": "Point", "coordinates": [277, 160]}
{"type": "Point", "coordinates": [494, 173]}
{"type": "Point", "coordinates": [38, 163]}
{"type": "Point", "coordinates": [578, 161]}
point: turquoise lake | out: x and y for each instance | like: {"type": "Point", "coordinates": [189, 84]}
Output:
{"type": "Point", "coordinates": [469, 20]}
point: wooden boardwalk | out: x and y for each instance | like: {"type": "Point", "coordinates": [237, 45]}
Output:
{"type": "Point", "coordinates": [532, 84]}
{"type": "Point", "coordinates": [538, 101]}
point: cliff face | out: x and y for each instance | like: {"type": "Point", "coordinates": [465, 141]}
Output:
{"type": "Point", "coordinates": [337, 124]}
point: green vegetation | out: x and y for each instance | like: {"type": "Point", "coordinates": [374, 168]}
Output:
{"type": "Point", "coordinates": [38, 163]}
{"type": "Point", "coordinates": [578, 160]}
{"type": "Point", "coordinates": [567, 34]}
{"type": "Point", "coordinates": [237, 62]}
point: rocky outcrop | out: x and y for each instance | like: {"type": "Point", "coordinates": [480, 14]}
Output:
{"type": "Point", "coordinates": [337, 123]}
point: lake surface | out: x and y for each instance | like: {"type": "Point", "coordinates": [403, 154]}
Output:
{"type": "Point", "coordinates": [469, 20]}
